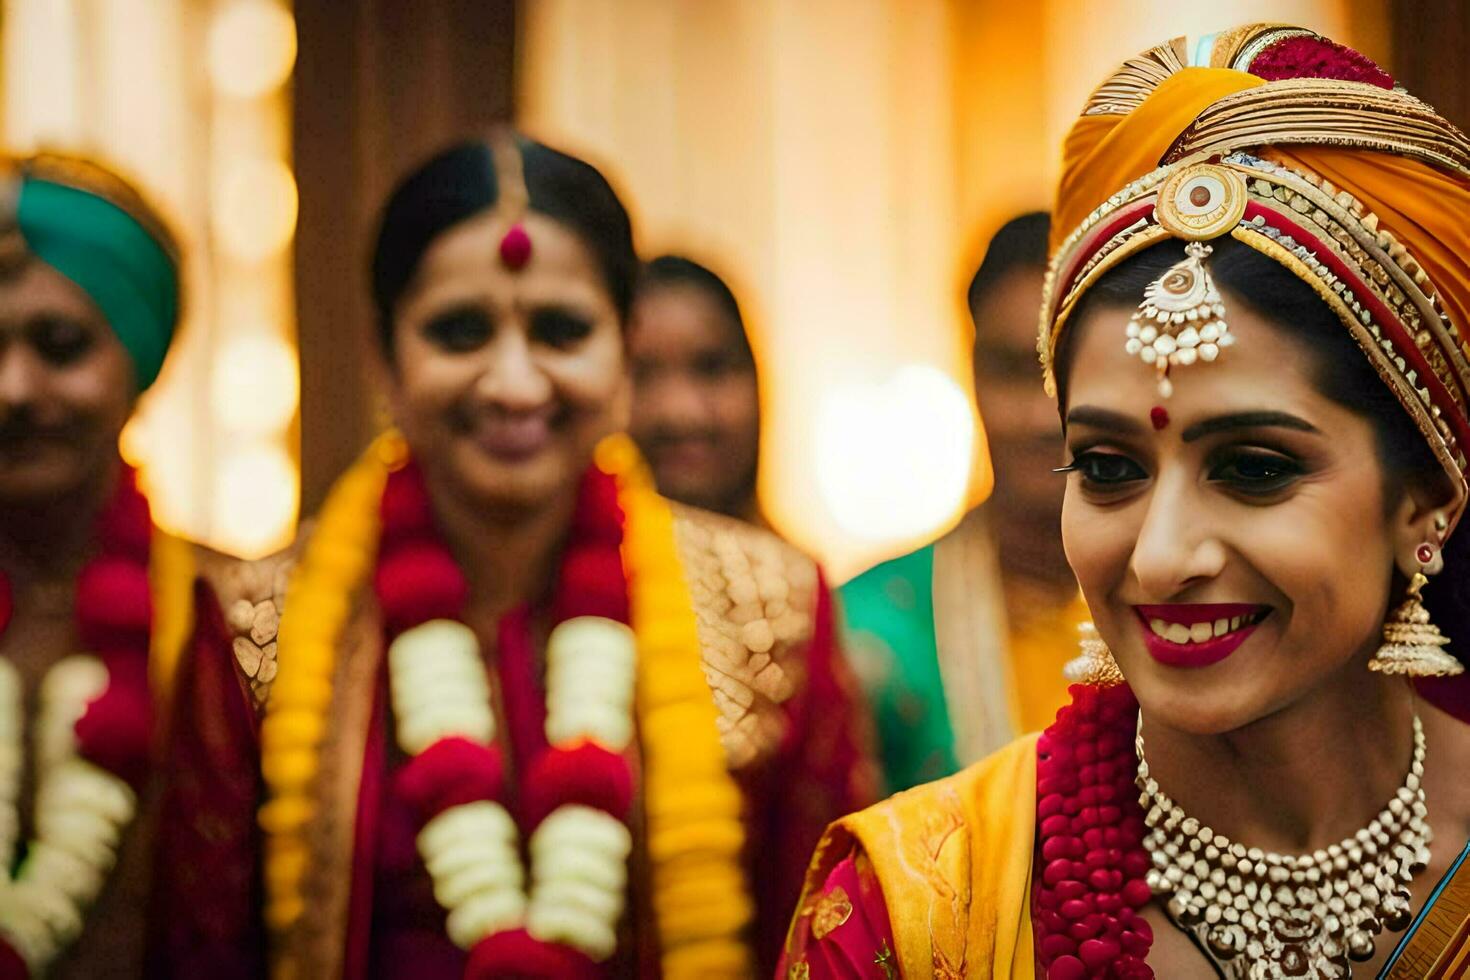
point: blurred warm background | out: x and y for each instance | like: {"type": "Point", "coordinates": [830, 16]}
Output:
{"type": "Point", "coordinates": [841, 161]}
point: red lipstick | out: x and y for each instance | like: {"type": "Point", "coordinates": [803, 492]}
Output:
{"type": "Point", "coordinates": [1197, 634]}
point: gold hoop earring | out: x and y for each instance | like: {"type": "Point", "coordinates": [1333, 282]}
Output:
{"type": "Point", "coordinates": [1412, 645]}
{"type": "Point", "coordinates": [1096, 665]}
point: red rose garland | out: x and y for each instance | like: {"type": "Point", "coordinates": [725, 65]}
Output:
{"type": "Point", "coordinates": [417, 580]}
{"type": "Point", "coordinates": [114, 619]}
{"type": "Point", "coordinates": [1091, 886]}
{"type": "Point", "coordinates": [114, 611]}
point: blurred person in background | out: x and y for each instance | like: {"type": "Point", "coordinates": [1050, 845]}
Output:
{"type": "Point", "coordinates": [696, 403]}
{"type": "Point", "coordinates": [532, 718]}
{"type": "Point", "coordinates": [127, 772]}
{"type": "Point", "coordinates": [961, 644]}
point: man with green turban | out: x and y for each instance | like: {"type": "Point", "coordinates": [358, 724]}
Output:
{"type": "Point", "coordinates": [127, 772]}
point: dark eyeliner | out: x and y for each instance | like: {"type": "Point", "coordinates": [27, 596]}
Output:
{"type": "Point", "coordinates": [1089, 463]}
{"type": "Point", "coordinates": [1286, 468]}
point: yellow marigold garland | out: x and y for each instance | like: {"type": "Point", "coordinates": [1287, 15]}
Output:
{"type": "Point", "coordinates": [171, 571]}
{"type": "Point", "coordinates": [337, 558]}
{"type": "Point", "coordinates": [695, 833]}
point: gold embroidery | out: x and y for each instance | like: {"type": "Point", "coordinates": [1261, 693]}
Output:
{"type": "Point", "coordinates": [1135, 80]}
{"type": "Point", "coordinates": [753, 596]}
{"type": "Point", "coordinates": [831, 911]}
{"type": "Point", "coordinates": [933, 855]}
{"type": "Point", "coordinates": [250, 594]}
{"type": "Point", "coordinates": [800, 970]}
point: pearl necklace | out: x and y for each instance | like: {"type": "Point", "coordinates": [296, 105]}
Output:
{"type": "Point", "coordinates": [1303, 915]}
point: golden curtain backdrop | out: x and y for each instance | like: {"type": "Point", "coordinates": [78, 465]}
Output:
{"type": "Point", "coordinates": [844, 162]}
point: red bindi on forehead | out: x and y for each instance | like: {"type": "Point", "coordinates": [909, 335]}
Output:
{"type": "Point", "coordinates": [515, 248]}
{"type": "Point", "coordinates": [1158, 416]}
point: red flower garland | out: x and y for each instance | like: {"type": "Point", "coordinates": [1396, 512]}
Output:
{"type": "Point", "coordinates": [114, 618]}
{"type": "Point", "coordinates": [1091, 884]}
{"type": "Point", "coordinates": [114, 610]}
{"type": "Point", "coordinates": [418, 580]}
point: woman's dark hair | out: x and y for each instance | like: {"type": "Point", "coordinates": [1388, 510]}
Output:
{"type": "Point", "coordinates": [677, 270]}
{"type": "Point", "coordinates": [1340, 369]}
{"type": "Point", "coordinates": [1019, 244]}
{"type": "Point", "coordinates": [460, 182]}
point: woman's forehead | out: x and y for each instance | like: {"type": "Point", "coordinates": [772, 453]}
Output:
{"type": "Point", "coordinates": [1264, 370]}
{"type": "Point", "coordinates": [465, 261]}
{"type": "Point", "coordinates": [473, 246]}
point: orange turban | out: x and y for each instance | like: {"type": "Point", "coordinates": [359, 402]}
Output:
{"type": "Point", "coordinates": [1275, 96]}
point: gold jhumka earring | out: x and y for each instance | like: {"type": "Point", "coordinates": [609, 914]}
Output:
{"type": "Point", "coordinates": [1412, 645]}
{"type": "Point", "coordinates": [1095, 666]}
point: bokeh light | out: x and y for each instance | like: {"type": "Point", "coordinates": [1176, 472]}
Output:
{"type": "Point", "coordinates": [252, 47]}
{"type": "Point", "coordinates": [256, 384]}
{"type": "Point", "coordinates": [254, 208]}
{"type": "Point", "coordinates": [893, 458]}
{"type": "Point", "coordinates": [255, 499]}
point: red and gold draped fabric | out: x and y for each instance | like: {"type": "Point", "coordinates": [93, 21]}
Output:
{"type": "Point", "coordinates": [347, 893]}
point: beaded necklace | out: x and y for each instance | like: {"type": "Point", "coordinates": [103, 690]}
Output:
{"type": "Point", "coordinates": [1289, 915]}
{"type": "Point", "coordinates": [1104, 852]}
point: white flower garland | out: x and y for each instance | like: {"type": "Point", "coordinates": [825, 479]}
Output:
{"type": "Point", "coordinates": [441, 689]}
{"type": "Point", "coordinates": [81, 812]}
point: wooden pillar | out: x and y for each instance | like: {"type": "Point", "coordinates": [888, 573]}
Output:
{"type": "Point", "coordinates": [380, 85]}
{"type": "Point", "coordinates": [1430, 41]}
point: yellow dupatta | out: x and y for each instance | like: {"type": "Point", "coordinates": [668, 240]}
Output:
{"type": "Point", "coordinates": [953, 858]}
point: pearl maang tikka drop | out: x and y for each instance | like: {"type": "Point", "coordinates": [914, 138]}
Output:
{"type": "Point", "coordinates": [1181, 320]}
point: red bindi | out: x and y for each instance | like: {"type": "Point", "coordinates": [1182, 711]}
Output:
{"type": "Point", "coordinates": [515, 248]}
{"type": "Point", "coordinates": [1159, 416]}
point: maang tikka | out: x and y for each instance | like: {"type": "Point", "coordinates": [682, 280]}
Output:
{"type": "Point", "coordinates": [1182, 317]}
{"type": "Point", "coordinates": [513, 200]}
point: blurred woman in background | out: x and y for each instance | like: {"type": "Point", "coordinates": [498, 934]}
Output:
{"type": "Point", "coordinates": [1256, 323]}
{"type": "Point", "coordinates": [532, 719]}
{"type": "Point", "coordinates": [696, 399]}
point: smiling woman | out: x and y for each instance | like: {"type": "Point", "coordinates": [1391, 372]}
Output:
{"type": "Point", "coordinates": [532, 719]}
{"type": "Point", "coordinates": [1256, 324]}
{"type": "Point", "coordinates": [1285, 458]}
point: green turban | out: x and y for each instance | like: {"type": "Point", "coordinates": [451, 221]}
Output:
{"type": "Point", "coordinates": [105, 250]}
